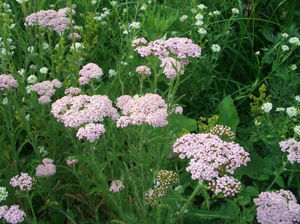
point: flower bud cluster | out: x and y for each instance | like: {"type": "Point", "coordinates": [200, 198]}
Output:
{"type": "Point", "coordinates": [223, 132]}
{"type": "Point", "coordinates": [116, 186]}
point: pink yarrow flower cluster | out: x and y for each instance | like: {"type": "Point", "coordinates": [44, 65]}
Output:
{"type": "Point", "coordinates": [23, 181]}
{"type": "Point", "coordinates": [73, 91]}
{"type": "Point", "coordinates": [293, 148]}
{"type": "Point", "coordinates": [88, 72]}
{"type": "Point", "coordinates": [7, 81]}
{"type": "Point", "coordinates": [174, 53]}
{"type": "Point", "coordinates": [75, 111]}
{"type": "Point", "coordinates": [13, 214]}
{"type": "Point", "coordinates": [277, 207]}
{"type": "Point", "coordinates": [116, 186]}
{"type": "Point", "coordinates": [91, 132]}
{"type": "Point", "coordinates": [46, 89]}
{"type": "Point", "coordinates": [71, 161]}
{"type": "Point", "coordinates": [57, 20]}
{"type": "Point", "coordinates": [211, 159]}
{"type": "Point", "coordinates": [150, 109]}
{"type": "Point", "coordinates": [143, 70]}
{"type": "Point", "coordinates": [46, 169]}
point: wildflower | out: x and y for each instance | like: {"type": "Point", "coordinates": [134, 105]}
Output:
{"type": "Point", "coordinates": [226, 185]}
{"type": "Point", "coordinates": [202, 31]}
{"type": "Point", "coordinates": [27, 117]}
{"type": "Point", "coordinates": [74, 35]}
{"type": "Point", "coordinates": [7, 81]}
{"type": "Point", "coordinates": [14, 215]}
{"type": "Point", "coordinates": [45, 46]}
{"type": "Point", "coordinates": [21, 1]}
{"type": "Point", "coordinates": [3, 210]}
{"type": "Point", "coordinates": [32, 79]}
{"type": "Point", "coordinates": [297, 129]}
{"type": "Point", "coordinates": [30, 49]}
{"type": "Point", "coordinates": [277, 207]}
{"type": "Point", "coordinates": [216, 12]}
{"type": "Point", "coordinates": [167, 178]}
{"type": "Point", "coordinates": [267, 107]}
{"type": "Point", "coordinates": [44, 70]}
{"type": "Point", "coordinates": [193, 10]}
{"type": "Point", "coordinates": [293, 67]}
{"type": "Point", "coordinates": [21, 72]}
{"type": "Point", "coordinates": [143, 7]}
{"type": "Point", "coordinates": [150, 109]}
{"type": "Point", "coordinates": [279, 109]}
{"type": "Point", "coordinates": [23, 181]}
{"type": "Point", "coordinates": [291, 111]}
{"type": "Point", "coordinates": [285, 48]}
{"type": "Point", "coordinates": [297, 98]}
{"type": "Point", "coordinates": [257, 122]}
{"type": "Point", "coordinates": [91, 132]}
{"type": "Point", "coordinates": [28, 89]}
{"type": "Point", "coordinates": [46, 168]}
{"type": "Point", "coordinates": [5, 101]}
{"type": "Point", "coordinates": [223, 132]}
{"type": "Point", "coordinates": [43, 151]}
{"type": "Point", "coordinates": [183, 18]}
{"type": "Point", "coordinates": [294, 41]}
{"type": "Point", "coordinates": [216, 48]}
{"type": "Point", "coordinates": [76, 46]}
{"type": "Point", "coordinates": [46, 89]}
{"type": "Point", "coordinates": [172, 67]}
{"type": "Point", "coordinates": [257, 52]}
{"type": "Point", "coordinates": [125, 32]}
{"type": "Point", "coordinates": [134, 25]}
{"type": "Point", "coordinates": [178, 110]}
{"type": "Point", "coordinates": [71, 161]}
{"type": "Point", "coordinates": [113, 3]}
{"type": "Point", "coordinates": [199, 23]}
{"type": "Point", "coordinates": [116, 186]}
{"type": "Point", "coordinates": [56, 20]}
{"type": "Point", "coordinates": [210, 157]}
{"type": "Point", "coordinates": [75, 111]}
{"type": "Point", "coordinates": [152, 195]}
{"type": "Point", "coordinates": [143, 70]}
{"type": "Point", "coordinates": [88, 72]}
{"type": "Point", "coordinates": [3, 194]}
{"type": "Point", "coordinates": [235, 11]}
{"type": "Point", "coordinates": [284, 35]}
{"type": "Point", "coordinates": [199, 17]}
{"type": "Point", "coordinates": [72, 91]}
{"type": "Point", "coordinates": [201, 6]}
{"type": "Point", "coordinates": [111, 73]}
{"type": "Point", "coordinates": [293, 148]}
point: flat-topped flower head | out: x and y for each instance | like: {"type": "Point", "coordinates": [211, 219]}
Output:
{"type": "Point", "coordinates": [143, 70]}
{"type": "Point", "coordinates": [277, 207]}
{"type": "Point", "coordinates": [46, 169]}
{"type": "Point", "coordinates": [56, 20]}
{"type": "Point", "coordinates": [210, 157]}
{"type": "Point", "coordinates": [150, 109]}
{"type": "Point", "coordinates": [226, 186]}
{"type": "Point", "coordinates": [91, 132]}
{"type": "Point", "coordinates": [75, 111]}
{"type": "Point", "coordinates": [14, 215]}
{"type": "Point", "coordinates": [23, 181]}
{"type": "Point", "coordinates": [7, 81]}
{"type": "Point", "coordinates": [88, 72]}
{"type": "Point", "coordinates": [116, 186]}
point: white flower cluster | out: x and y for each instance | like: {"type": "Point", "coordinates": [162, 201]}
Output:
{"type": "Point", "coordinates": [267, 107]}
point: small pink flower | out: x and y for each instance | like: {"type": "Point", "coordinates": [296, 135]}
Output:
{"type": "Point", "coordinates": [116, 186]}
{"type": "Point", "coordinates": [143, 70]}
{"type": "Point", "coordinates": [23, 181]}
{"type": "Point", "coordinates": [46, 169]}
{"type": "Point", "coordinates": [7, 81]}
{"type": "Point", "coordinates": [88, 72]}
{"type": "Point", "coordinates": [91, 132]}
{"type": "Point", "coordinates": [14, 215]}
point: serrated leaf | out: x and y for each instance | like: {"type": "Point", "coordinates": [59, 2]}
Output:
{"type": "Point", "coordinates": [228, 115]}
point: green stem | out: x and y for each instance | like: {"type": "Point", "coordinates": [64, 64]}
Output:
{"type": "Point", "coordinates": [282, 169]}
{"type": "Point", "coordinates": [31, 207]}
{"type": "Point", "coordinates": [184, 207]}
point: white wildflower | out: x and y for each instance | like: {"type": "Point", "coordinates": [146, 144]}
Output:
{"type": "Point", "coordinates": [294, 41]}
{"type": "Point", "coordinates": [293, 67]}
{"type": "Point", "coordinates": [291, 111]}
{"type": "Point", "coordinates": [111, 73]}
{"type": "Point", "coordinates": [199, 16]}
{"type": "Point", "coordinates": [44, 70]}
{"type": "Point", "coordinates": [235, 11]}
{"type": "Point", "coordinates": [182, 18]}
{"type": "Point", "coordinates": [5, 101]}
{"type": "Point", "coordinates": [267, 107]}
{"type": "Point", "coordinates": [32, 79]}
{"type": "Point", "coordinates": [297, 129]}
{"type": "Point", "coordinates": [278, 109]}
{"type": "Point", "coordinates": [285, 48]}
{"type": "Point", "coordinates": [297, 98]}
{"type": "Point", "coordinates": [202, 31]}
{"type": "Point", "coordinates": [201, 6]}
{"type": "Point", "coordinates": [199, 23]}
{"type": "Point", "coordinates": [284, 35]}
{"type": "Point", "coordinates": [215, 48]}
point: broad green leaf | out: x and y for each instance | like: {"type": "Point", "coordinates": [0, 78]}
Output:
{"type": "Point", "coordinates": [254, 168]}
{"type": "Point", "coordinates": [280, 182]}
{"type": "Point", "coordinates": [228, 114]}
